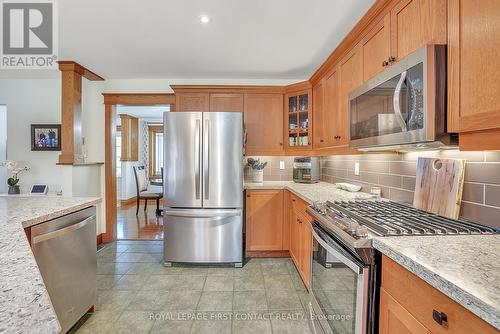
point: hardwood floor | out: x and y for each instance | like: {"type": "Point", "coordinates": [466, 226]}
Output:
{"type": "Point", "coordinates": [145, 226]}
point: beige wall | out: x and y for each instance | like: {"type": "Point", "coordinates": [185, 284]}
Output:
{"type": "Point", "coordinates": [395, 174]}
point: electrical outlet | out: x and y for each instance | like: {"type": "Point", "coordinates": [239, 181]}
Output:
{"type": "Point", "coordinates": [282, 164]}
{"type": "Point", "coordinates": [356, 168]}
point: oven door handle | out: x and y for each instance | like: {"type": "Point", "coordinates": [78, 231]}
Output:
{"type": "Point", "coordinates": [351, 264]}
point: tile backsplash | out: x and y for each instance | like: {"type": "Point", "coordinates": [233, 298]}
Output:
{"type": "Point", "coordinates": [395, 174]}
{"type": "Point", "coordinates": [272, 171]}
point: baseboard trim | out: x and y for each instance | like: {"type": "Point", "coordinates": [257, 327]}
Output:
{"type": "Point", "coordinates": [128, 201]}
{"type": "Point", "coordinates": [281, 253]}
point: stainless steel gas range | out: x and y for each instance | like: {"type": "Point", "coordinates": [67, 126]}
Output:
{"type": "Point", "coordinates": [345, 280]}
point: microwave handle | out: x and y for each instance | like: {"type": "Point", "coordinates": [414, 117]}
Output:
{"type": "Point", "coordinates": [396, 103]}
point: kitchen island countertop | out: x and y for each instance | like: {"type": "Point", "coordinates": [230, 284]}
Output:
{"type": "Point", "coordinates": [25, 306]}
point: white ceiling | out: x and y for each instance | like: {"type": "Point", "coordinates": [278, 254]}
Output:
{"type": "Point", "coordinates": [249, 39]}
{"type": "Point", "coordinates": [150, 114]}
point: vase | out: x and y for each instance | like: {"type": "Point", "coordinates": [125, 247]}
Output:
{"type": "Point", "coordinates": [257, 176]}
{"type": "Point", "coordinates": [14, 190]}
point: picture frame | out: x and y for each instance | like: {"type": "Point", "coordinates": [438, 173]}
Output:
{"type": "Point", "coordinates": [45, 137]}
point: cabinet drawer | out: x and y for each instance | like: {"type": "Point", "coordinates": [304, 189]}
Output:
{"type": "Point", "coordinates": [298, 204]}
{"type": "Point", "coordinates": [420, 300]}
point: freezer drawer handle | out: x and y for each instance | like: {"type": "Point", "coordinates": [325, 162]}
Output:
{"type": "Point", "coordinates": [220, 214]}
{"type": "Point", "coordinates": [63, 231]}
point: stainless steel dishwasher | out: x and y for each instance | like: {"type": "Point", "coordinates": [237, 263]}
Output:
{"type": "Point", "coordinates": [65, 251]}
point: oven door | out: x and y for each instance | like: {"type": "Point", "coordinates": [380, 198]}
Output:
{"type": "Point", "coordinates": [339, 288]}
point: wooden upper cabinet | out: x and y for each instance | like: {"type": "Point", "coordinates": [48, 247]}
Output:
{"type": "Point", "coordinates": [319, 129]}
{"type": "Point", "coordinates": [192, 101]}
{"type": "Point", "coordinates": [298, 120]}
{"type": "Point", "coordinates": [264, 123]}
{"type": "Point", "coordinates": [473, 65]}
{"type": "Point", "coordinates": [264, 220]}
{"type": "Point", "coordinates": [351, 76]}
{"type": "Point", "coordinates": [331, 115]}
{"type": "Point", "coordinates": [130, 138]}
{"type": "Point", "coordinates": [376, 48]}
{"type": "Point", "coordinates": [415, 23]}
{"type": "Point", "coordinates": [226, 102]}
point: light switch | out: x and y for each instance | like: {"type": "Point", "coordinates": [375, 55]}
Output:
{"type": "Point", "coordinates": [282, 164]}
{"type": "Point", "coordinates": [356, 168]}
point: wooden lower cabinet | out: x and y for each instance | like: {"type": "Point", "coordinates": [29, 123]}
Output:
{"type": "Point", "coordinates": [394, 318]}
{"type": "Point", "coordinates": [276, 220]}
{"type": "Point", "coordinates": [264, 220]}
{"type": "Point", "coordinates": [300, 238]}
{"type": "Point", "coordinates": [407, 304]}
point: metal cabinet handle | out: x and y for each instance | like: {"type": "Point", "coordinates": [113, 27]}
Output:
{"type": "Point", "coordinates": [321, 140]}
{"type": "Point", "coordinates": [206, 158]}
{"type": "Point", "coordinates": [391, 59]}
{"type": "Point", "coordinates": [197, 159]}
{"type": "Point", "coordinates": [440, 317]}
{"type": "Point", "coordinates": [396, 103]}
{"type": "Point", "coordinates": [385, 63]}
{"type": "Point", "coordinates": [57, 233]}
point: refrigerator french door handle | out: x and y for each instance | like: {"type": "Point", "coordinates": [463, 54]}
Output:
{"type": "Point", "coordinates": [197, 159]}
{"type": "Point", "coordinates": [396, 103]}
{"type": "Point", "coordinates": [206, 158]}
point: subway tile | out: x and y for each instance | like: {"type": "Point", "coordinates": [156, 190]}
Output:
{"type": "Point", "coordinates": [382, 156]}
{"type": "Point", "coordinates": [390, 180]}
{"type": "Point", "coordinates": [401, 195]}
{"type": "Point", "coordinates": [340, 172]}
{"type": "Point", "coordinates": [374, 166]}
{"type": "Point", "coordinates": [409, 183]}
{"type": "Point", "coordinates": [473, 192]}
{"type": "Point", "coordinates": [352, 176]}
{"type": "Point", "coordinates": [483, 172]}
{"type": "Point", "coordinates": [369, 177]}
{"type": "Point", "coordinates": [403, 168]}
{"type": "Point", "coordinates": [481, 214]}
{"type": "Point", "coordinates": [492, 195]}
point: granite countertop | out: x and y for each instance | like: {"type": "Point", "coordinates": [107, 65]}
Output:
{"type": "Point", "coordinates": [321, 191]}
{"type": "Point", "coordinates": [465, 268]}
{"type": "Point", "coordinates": [25, 305]}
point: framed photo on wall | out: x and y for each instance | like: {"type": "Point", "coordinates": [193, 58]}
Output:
{"type": "Point", "coordinates": [45, 137]}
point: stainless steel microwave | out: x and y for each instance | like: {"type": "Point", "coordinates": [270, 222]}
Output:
{"type": "Point", "coordinates": [403, 107]}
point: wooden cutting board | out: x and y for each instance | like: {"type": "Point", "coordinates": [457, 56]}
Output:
{"type": "Point", "coordinates": [439, 185]}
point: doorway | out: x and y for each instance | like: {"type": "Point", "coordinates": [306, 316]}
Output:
{"type": "Point", "coordinates": [115, 103]}
{"type": "Point", "coordinates": [139, 167]}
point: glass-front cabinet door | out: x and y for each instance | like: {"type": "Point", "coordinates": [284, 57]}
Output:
{"type": "Point", "coordinates": [298, 109]}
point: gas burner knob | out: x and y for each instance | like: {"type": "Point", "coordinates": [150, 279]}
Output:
{"type": "Point", "coordinates": [361, 232]}
{"type": "Point", "coordinates": [352, 228]}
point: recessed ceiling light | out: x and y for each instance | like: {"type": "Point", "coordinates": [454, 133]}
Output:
{"type": "Point", "coordinates": [204, 18]}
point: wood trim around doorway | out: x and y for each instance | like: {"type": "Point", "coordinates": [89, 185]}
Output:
{"type": "Point", "coordinates": [111, 100]}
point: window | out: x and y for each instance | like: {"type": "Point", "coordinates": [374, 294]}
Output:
{"type": "Point", "coordinates": [118, 153]}
{"type": "Point", "coordinates": [158, 153]}
{"type": "Point", "coordinates": [155, 151]}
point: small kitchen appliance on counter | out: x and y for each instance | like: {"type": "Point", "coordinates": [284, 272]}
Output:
{"type": "Point", "coordinates": [345, 266]}
{"type": "Point", "coordinates": [306, 169]}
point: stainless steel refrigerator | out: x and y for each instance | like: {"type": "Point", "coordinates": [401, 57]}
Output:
{"type": "Point", "coordinates": [203, 187]}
